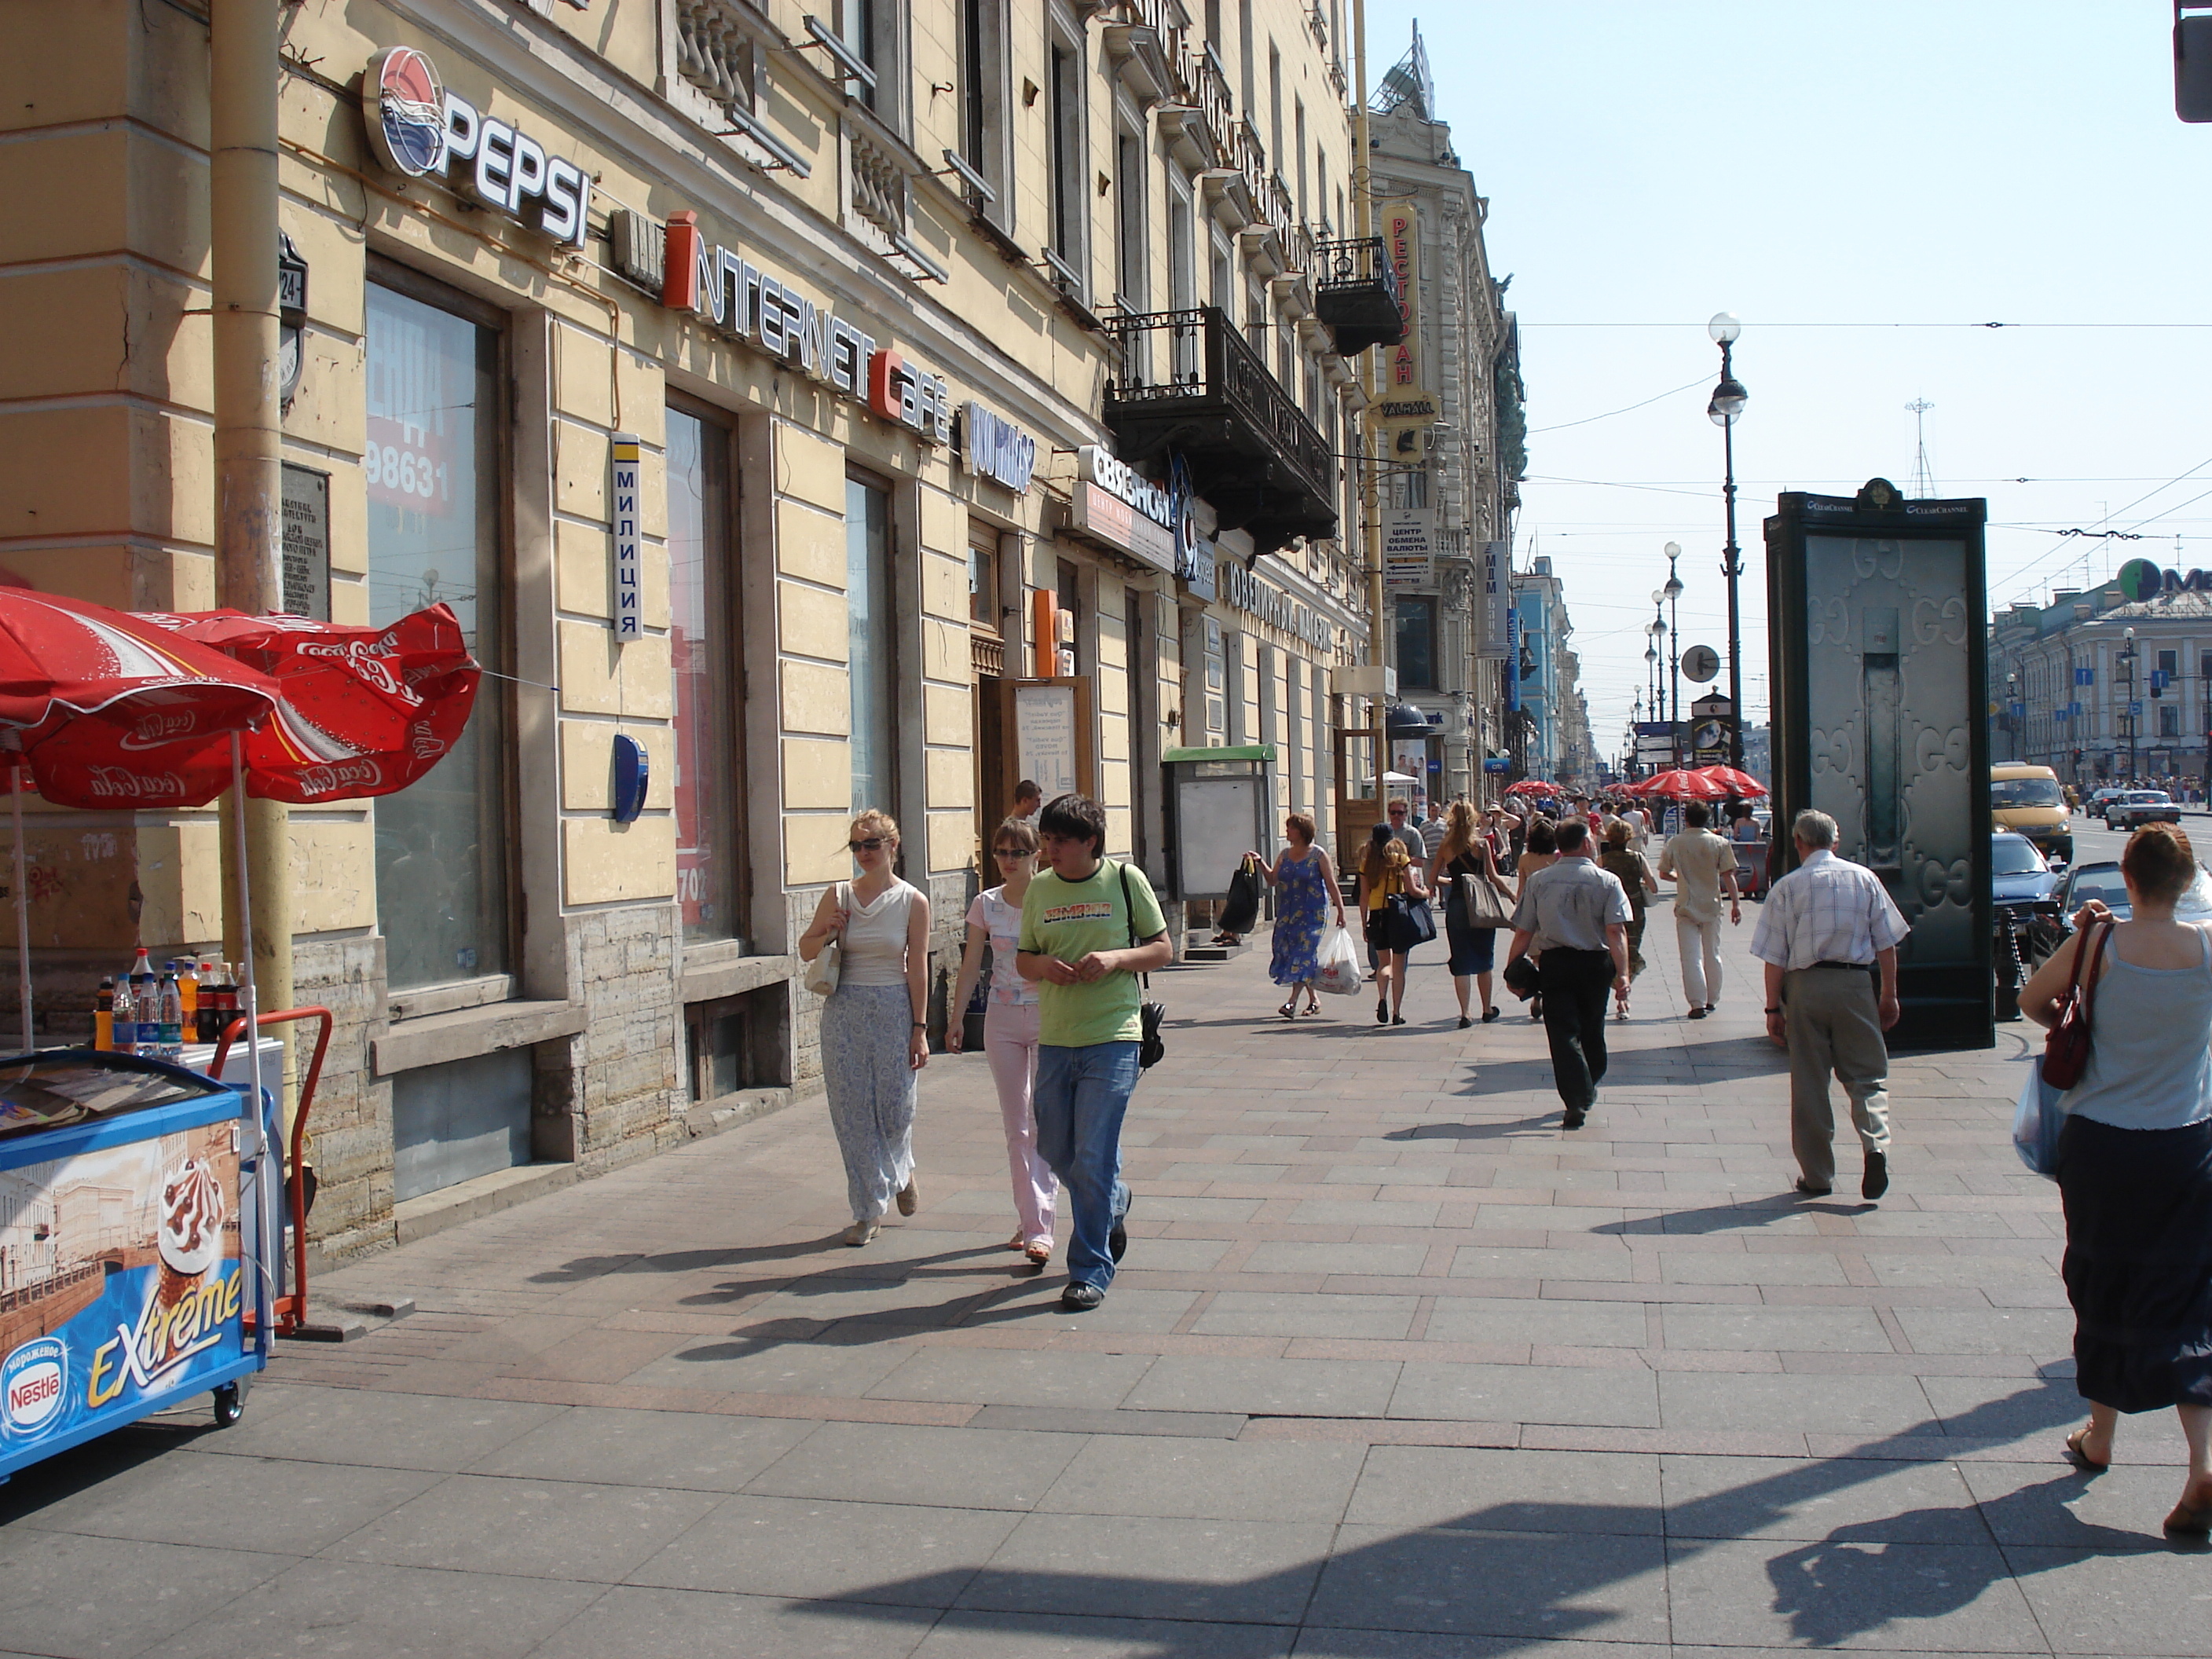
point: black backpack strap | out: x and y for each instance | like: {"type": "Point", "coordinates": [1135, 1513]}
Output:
{"type": "Point", "coordinates": [1130, 916]}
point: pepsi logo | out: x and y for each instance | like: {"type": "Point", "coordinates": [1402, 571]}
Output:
{"type": "Point", "coordinates": [34, 1383]}
{"type": "Point", "coordinates": [405, 102]}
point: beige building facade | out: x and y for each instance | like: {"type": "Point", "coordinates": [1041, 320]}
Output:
{"type": "Point", "coordinates": [865, 406]}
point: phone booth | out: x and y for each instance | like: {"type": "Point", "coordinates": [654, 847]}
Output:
{"type": "Point", "coordinates": [1220, 806]}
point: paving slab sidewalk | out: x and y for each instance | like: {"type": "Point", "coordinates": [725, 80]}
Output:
{"type": "Point", "coordinates": [1394, 1367]}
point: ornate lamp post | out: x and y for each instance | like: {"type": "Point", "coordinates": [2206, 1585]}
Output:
{"type": "Point", "coordinates": [1674, 593]}
{"type": "Point", "coordinates": [2128, 656]}
{"type": "Point", "coordinates": [1725, 410]}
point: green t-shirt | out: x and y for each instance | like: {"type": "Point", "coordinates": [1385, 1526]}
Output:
{"type": "Point", "coordinates": [1069, 920]}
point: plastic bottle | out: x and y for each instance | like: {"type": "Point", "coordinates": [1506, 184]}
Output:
{"type": "Point", "coordinates": [123, 1017]}
{"type": "Point", "coordinates": [188, 988]}
{"type": "Point", "coordinates": [170, 1006]}
{"type": "Point", "coordinates": [103, 1017]}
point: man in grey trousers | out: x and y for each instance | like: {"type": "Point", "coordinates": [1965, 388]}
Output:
{"type": "Point", "coordinates": [1827, 929]}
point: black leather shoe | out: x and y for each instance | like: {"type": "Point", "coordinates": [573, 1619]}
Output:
{"type": "Point", "coordinates": [1574, 1119]}
{"type": "Point", "coordinates": [1081, 1298]}
{"type": "Point", "coordinates": [1117, 1241]}
{"type": "Point", "coordinates": [1875, 1182]}
{"type": "Point", "coordinates": [1809, 1190]}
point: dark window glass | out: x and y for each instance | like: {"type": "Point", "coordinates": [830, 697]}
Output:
{"type": "Point", "coordinates": [433, 509]}
{"type": "Point", "coordinates": [1416, 640]}
{"type": "Point", "coordinates": [871, 644]}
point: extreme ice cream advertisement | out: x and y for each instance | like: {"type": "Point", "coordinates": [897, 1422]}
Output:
{"type": "Point", "coordinates": [119, 1280]}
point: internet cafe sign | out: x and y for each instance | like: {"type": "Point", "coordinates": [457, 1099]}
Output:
{"type": "Point", "coordinates": [1129, 514]}
{"type": "Point", "coordinates": [737, 297]}
{"type": "Point", "coordinates": [417, 128]}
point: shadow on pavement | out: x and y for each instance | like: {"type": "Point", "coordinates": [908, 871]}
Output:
{"type": "Point", "coordinates": [1528, 1573]}
{"type": "Point", "coordinates": [583, 1267]}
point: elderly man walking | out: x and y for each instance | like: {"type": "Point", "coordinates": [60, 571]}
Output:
{"type": "Point", "coordinates": [1575, 916]}
{"type": "Point", "coordinates": [1826, 927]}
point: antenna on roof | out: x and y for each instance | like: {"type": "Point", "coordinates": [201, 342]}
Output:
{"type": "Point", "coordinates": [1408, 83]}
{"type": "Point", "coordinates": [1923, 480]}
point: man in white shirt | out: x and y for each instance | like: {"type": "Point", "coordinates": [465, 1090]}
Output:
{"type": "Point", "coordinates": [1575, 918]}
{"type": "Point", "coordinates": [1702, 866]}
{"type": "Point", "coordinates": [1826, 928]}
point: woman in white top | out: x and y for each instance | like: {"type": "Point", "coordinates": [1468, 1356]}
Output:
{"type": "Point", "coordinates": [1010, 1031]}
{"type": "Point", "coordinates": [869, 1055]}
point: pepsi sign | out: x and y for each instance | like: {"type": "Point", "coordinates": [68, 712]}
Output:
{"type": "Point", "coordinates": [417, 128]}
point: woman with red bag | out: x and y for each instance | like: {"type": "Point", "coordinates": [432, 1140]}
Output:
{"type": "Point", "coordinates": [2134, 1164]}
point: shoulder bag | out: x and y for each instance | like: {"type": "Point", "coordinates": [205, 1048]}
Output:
{"type": "Point", "coordinates": [2066, 1050]}
{"type": "Point", "coordinates": [1480, 905]}
{"type": "Point", "coordinates": [1420, 921]}
{"type": "Point", "coordinates": [821, 975]}
{"type": "Point", "coordinates": [1152, 1048]}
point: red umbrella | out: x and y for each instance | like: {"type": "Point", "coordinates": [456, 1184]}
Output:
{"type": "Point", "coordinates": [1682, 786]}
{"type": "Point", "coordinates": [107, 707]}
{"type": "Point", "coordinates": [1732, 781]}
{"type": "Point", "coordinates": [1532, 787]}
{"type": "Point", "coordinates": [362, 711]}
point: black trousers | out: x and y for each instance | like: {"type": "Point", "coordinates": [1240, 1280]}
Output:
{"type": "Point", "coordinates": [1574, 985]}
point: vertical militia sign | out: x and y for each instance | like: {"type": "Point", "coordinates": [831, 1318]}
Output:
{"type": "Point", "coordinates": [629, 597]}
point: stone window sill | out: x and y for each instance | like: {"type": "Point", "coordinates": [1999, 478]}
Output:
{"type": "Point", "coordinates": [435, 1039]}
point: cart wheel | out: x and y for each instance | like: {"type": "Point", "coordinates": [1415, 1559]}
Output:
{"type": "Point", "coordinates": [229, 1404]}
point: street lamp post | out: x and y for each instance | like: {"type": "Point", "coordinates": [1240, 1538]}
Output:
{"type": "Point", "coordinates": [1725, 410]}
{"type": "Point", "coordinates": [2128, 656]}
{"type": "Point", "coordinates": [1668, 712]}
{"type": "Point", "coordinates": [1674, 593]}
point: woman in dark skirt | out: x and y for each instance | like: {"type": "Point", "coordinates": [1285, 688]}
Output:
{"type": "Point", "coordinates": [2135, 1166]}
{"type": "Point", "coordinates": [1386, 872]}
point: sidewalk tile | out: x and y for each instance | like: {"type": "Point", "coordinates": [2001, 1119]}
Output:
{"type": "Point", "coordinates": [1311, 1388]}
{"type": "Point", "coordinates": [68, 1595]}
{"type": "Point", "coordinates": [1508, 1491]}
{"type": "Point", "coordinates": [1601, 1587]}
{"type": "Point", "coordinates": [1845, 1592]}
{"type": "Point", "coordinates": [537, 1528]}
{"type": "Point", "coordinates": [1811, 1499]}
{"type": "Point", "coordinates": [950, 1469]}
{"type": "Point", "coordinates": [636, 1623]}
{"type": "Point", "coordinates": [898, 1553]}
{"type": "Point", "coordinates": [1206, 1480]}
{"type": "Point", "coordinates": [1528, 1393]}
{"type": "Point", "coordinates": [1248, 1571]}
{"type": "Point", "coordinates": [686, 1450]}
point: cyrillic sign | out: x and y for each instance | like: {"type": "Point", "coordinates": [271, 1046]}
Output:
{"type": "Point", "coordinates": [1241, 588]}
{"type": "Point", "coordinates": [994, 447]}
{"type": "Point", "coordinates": [629, 568]}
{"type": "Point", "coordinates": [748, 303]}
{"type": "Point", "coordinates": [418, 128]}
{"type": "Point", "coordinates": [1496, 581]}
{"type": "Point", "coordinates": [1119, 479]}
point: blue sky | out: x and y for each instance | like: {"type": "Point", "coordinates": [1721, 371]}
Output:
{"type": "Point", "coordinates": [1811, 166]}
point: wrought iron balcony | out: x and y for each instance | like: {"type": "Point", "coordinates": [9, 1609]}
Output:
{"type": "Point", "coordinates": [1187, 381]}
{"type": "Point", "coordinates": [1355, 293]}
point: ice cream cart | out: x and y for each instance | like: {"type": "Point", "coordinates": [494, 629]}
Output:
{"type": "Point", "coordinates": [135, 1206]}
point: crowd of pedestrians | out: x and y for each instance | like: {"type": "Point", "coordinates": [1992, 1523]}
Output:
{"type": "Point", "coordinates": [1069, 931]}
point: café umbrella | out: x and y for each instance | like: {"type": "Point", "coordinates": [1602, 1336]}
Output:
{"type": "Point", "coordinates": [168, 709]}
{"type": "Point", "coordinates": [1680, 786]}
{"type": "Point", "coordinates": [1735, 782]}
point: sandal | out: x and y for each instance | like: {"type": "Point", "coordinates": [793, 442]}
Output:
{"type": "Point", "coordinates": [2189, 1520]}
{"type": "Point", "coordinates": [2079, 1458]}
{"type": "Point", "coordinates": [1289, 1010]}
{"type": "Point", "coordinates": [1039, 1254]}
{"type": "Point", "coordinates": [1018, 1241]}
{"type": "Point", "coordinates": [1312, 1012]}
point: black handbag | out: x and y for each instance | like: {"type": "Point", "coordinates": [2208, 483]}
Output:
{"type": "Point", "coordinates": [1241, 909]}
{"type": "Point", "coordinates": [1151, 1047]}
{"type": "Point", "coordinates": [1420, 921]}
{"type": "Point", "coordinates": [1521, 978]}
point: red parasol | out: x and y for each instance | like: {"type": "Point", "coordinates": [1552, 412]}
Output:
{"type": "Point", "coordinates": [1732, 781]}
{"type": "Point", "coordinates": [1532, 787]}
{"type": "Point", "coordinates": [1681, 785]}
{"type": "Point", "coordinates": [362, 711]}
{"type": "Point", "coordinates": [105, 704]}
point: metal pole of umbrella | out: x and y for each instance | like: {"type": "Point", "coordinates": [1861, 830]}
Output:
{"type": "Point", "coordinates": [22, 898]}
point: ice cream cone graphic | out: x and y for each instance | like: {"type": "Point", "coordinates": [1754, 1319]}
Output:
{"type": "Point", "coordinates": [191, 1240]}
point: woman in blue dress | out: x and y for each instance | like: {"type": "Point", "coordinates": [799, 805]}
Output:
{"type": "Point", "coordinates": [1308, 888]}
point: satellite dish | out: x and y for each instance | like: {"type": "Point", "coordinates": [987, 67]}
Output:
{"type": "Point", "coordinates": [1701, 663]}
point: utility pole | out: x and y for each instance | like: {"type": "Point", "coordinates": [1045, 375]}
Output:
{"type": "Point", "coordinates": [243, 68]}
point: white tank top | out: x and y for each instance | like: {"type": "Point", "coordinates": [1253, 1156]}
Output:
{"type": "Point", "coordinates": [875, 936]}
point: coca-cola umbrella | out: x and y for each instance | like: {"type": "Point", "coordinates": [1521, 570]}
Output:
{"type": "Point", "coordinates": [1682, 786]}
{"type": "Point", "coordinates": [94, 702]}
{"type": "Point", "coordinates": [1532, 787]}
{"type": "Point", "coordinates": [1739, 784]}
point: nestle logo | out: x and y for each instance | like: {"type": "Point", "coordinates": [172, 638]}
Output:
{"type": "Point", "coordinates": [32, 1382]}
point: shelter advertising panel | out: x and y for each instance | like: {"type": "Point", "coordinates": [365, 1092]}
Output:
{"type": "Point", "coordinates": [1878, 658]}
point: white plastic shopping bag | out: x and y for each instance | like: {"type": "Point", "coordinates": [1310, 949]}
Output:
{"type": "Point", "coordinates": [2036, 1122]}
{"type": "Point", "coordinates": [1339, 964]}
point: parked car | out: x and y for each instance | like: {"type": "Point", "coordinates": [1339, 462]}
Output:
{"type": "Point", "coordinates": [2098, 801]}
{"type": "Point", "coordinates": [2029, 924]}
{"type": "Point", "coordinates": [2099, 881]}
{"type": "Point", "coordinates": [2133, 808]}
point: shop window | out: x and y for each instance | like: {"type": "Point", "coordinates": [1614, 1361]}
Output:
{"type": "Point", "coordinates": [702, 654]}
{"type": "Point", "coordinates": [432, 461]}
{"type": "Point", "coordinates": [1417, 641]}
{"type": "Point", "coordinates": [871, 640]}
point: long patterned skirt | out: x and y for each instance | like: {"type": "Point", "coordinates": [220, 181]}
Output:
{"type": "Point", "coordinates": [864, 1031]}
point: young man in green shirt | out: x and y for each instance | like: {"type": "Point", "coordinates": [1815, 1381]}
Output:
{"type": "Point", "coordinates": [1077, 920]}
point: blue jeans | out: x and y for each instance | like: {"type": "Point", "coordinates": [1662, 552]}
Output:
{"type": "Point", "coordinates": [1082, 1095]}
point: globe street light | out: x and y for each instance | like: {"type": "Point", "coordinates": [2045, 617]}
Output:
{"type": "Point", "coordinates": [1674, 593]}
{"type": "Point", "coordinates": [1725, 410]}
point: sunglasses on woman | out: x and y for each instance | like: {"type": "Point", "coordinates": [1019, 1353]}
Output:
{"type": "Point", "coordinates": [874, 843]}
{"type": "Point", "coordinates": [1009, 852]}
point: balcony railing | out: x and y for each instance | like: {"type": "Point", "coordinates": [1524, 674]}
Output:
{"type": "Point", "coordinates": [1252, 451]}
{"type": "Point", "coordinates": [1357, 292]}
